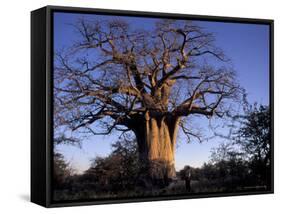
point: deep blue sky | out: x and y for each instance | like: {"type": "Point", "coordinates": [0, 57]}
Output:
{"type": "Point", "coordinates": [247, 45]}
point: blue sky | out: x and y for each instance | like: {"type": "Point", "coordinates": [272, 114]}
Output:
{"type": "Point", "coordinates": [247, 45]}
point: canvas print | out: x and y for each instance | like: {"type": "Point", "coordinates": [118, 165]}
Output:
{"type": "Point", "coordinates": [149, 107]}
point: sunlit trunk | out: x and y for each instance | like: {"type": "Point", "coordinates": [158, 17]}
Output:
{"type": "Point", "coordinates": [156, 139]}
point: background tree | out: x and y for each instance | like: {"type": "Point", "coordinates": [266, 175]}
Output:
{"type": "Point", "coordinates": [254, 137]}
{"type": "Point", "coordinates": [230, 166]}
{"type": "Point", "coordinates": [62, 171]}
{"type": "Point", "coordinates": [142, 81]}
{"type": "Point", "coordinates": [116, 172]}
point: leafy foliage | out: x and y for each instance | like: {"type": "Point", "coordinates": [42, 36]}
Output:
{"type": "Point", "coordinates": [61, 170]}
{"type": "Point", "coordinates": [255, 140]}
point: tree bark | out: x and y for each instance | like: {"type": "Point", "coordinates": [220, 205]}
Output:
{"type": "Point", "coordinates": [156, 137]}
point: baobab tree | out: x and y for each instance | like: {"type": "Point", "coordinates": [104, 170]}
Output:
{"type": "Point", "coordinates": [146, 82]}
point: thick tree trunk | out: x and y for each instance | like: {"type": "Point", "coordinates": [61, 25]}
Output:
{"type": "Point", "coordinates": [156, 138]}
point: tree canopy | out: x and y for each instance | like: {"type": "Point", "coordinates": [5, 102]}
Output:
{"type": "Point", "coordinates": [115, 74]}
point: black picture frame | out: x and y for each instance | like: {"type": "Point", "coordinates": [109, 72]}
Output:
{"type": "Point", "coordinates": [42, 111]}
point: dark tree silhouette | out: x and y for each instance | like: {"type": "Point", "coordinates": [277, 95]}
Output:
{"type": "Point", "coordinates": [144, 81]}
{"type": "Point", "coordinates": [61, 169]}
{"type": "Point", "coordinates": [254, 137]}
{"type": "Point", "coordinates": [119, 170]}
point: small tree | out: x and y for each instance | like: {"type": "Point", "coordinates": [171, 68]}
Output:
{"type": "Point", "coordinates": [230, 165]}
{"type": "Point", "coordinates": [119, 170]}
{"type": "Point", "coordinates": [61, 169]}
{"type": "Point", "coordinates": [255, 139]}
